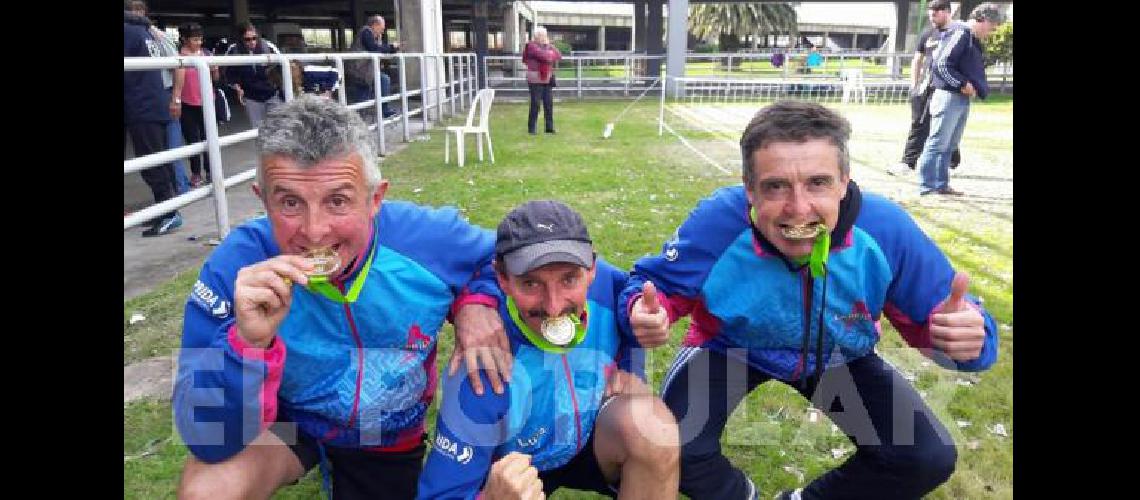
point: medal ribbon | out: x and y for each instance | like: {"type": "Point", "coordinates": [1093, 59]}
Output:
{"type": "Point", "coordinates": [538, 340]}
{"type": "Point", "coordinates": [320, 284]}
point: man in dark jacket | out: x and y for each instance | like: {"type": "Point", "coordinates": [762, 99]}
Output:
{"type": "Point", "coordinates": [958, 73]}
{"type": "Point", "coordinates": [361, 81]}
{"type": "Point", "coordinates": [254, 90]}
{"type": "Point", "coordinates": [146, 114]}
{"type": "Point", "coordinates": [938, 12]}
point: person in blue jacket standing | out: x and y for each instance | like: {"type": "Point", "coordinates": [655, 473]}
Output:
{"type": "Point", "coordinates": [786, 278]}
{"type": "Point", "coordinates": [958, 74]}
{"type": "Point", "coordinates": [576, 412]}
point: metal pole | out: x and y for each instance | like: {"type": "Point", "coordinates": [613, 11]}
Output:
{"type": "Point", "coordinates": [342, 95]}
{"type": "Point", "coordinates": [628, 70]}
{"type": "Point", "coordinates": [214, 149]}
{"type": "Point", "coordinates": [661, 107]}
{"type": "Point", "coordinates": [286, 76]}
{"type": "Point", "coordinates": [404, 98]}
{"type": "Point", "coordinates": [460, 61]}
{"type": "Point", "coordinates": [466, 70]}
{"type": "Point", "coordinates": [377, 87]}
{"type": "Point", "coordinates": [474, 82]}
{"type": "Point", "coordinates": [579, 71]}
{"type": "Point", "coordinates": [423, 92]}
{"type": "Point", "coordinates": [482, 77]}
{"type": "Point", "coordinates": [447, 69]}
{"type": "Point", "coordinates": [437, 73]}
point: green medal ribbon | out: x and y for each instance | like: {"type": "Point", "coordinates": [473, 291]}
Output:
{"type": "Point", "coordinates": [819, 252]}
{"type": "Point", "coordinates": [820, 249]}
{"type": "Point", "coordinates": [537, 339]}
{"type": "Point", "coordinates": [320, 284]}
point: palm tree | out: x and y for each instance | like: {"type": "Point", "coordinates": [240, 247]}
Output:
{"type": "Point", "coordinates": [729, 21]}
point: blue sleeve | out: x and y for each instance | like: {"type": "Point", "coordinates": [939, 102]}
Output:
{"type": "Point", "coordinates": [236, 74]}
{"type": "Point", "coordinates": [468, 429]}
{"type": "Point", "coordinates": [977, 70]}
{"type": "Point", "coordinates": [218, 401]}
{"type": "Point", "coordinates": [609, 283]}
{"type": "Point", "coordinates": [368, 38]}
{"type": "Point", "coordinates": [456, 251]}
{"type": "Point", "coordinates": [949, 54]}
{"type": "Point", "coordinates": [680, 269]}
{"type": "Point", "coordinates": [989, 353]}
{"type": "Point", "coordinates": [921, 278]}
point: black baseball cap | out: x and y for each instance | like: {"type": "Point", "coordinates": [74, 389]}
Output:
{"type": "Point", "coordinates": [540, 232]}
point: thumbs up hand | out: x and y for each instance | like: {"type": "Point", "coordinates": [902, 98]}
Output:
{"type": "Point", "coordinates": [956, 328]}
{"type": "Point", "coordinates": [650, 321]}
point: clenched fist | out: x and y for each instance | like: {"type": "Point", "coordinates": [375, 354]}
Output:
{"type": "Point", "coordinates": [263, 293]}
{"type": "Point", "coordinates": [513, 478]}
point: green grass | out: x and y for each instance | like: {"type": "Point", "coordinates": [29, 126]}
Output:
{"type": "Point", "coordinates": [158, 334]}
{"type": "Point", "coordinates": [634, 189]}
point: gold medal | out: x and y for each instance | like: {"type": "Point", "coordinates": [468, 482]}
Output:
{"type": "Point", "coordinates": [803, 232]}
{"type": "Point", "coordinates": [325, 261]}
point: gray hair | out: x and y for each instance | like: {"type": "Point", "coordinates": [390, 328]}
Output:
{"type": "Point", "coordinates": [310, 129]}
{"type": "Point", "coordinates": [988, 12]}
{"type": "Point", "coordinates": [540, 30]}
{"type": "Point", "coordinates": [794, 121]}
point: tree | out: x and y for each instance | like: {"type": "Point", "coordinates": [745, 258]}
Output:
{"type": "Point", "coordinates": [729, 21]}
{"type": "Point", "coordinates": [999, 47]}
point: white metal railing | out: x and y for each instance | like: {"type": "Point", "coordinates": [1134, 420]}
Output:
{"type": "Point", "coordinates": [582, 74]}
{"type": "Point", "coordinates": [713, 91]}
{"type": "Point", "coordinates": [453, 77]}
{"type": "Point", "coordinates": [628, 72]}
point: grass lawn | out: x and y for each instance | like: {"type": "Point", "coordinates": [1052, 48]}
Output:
{"type": "Point", "coordinates": [634, 189]}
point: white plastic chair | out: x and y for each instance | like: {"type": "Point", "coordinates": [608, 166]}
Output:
{"type": "Point", "coordinates": [482, 102]}
{"type": "Point", "coordinates": [853, 86]}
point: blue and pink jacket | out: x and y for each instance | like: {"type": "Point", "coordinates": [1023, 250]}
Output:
{"type": "Point", "coordinates": [358, 375]}
{"type": "Point", "coordinates": [742, 293]}
{"type": "Point", "coordinates": [547, 410]}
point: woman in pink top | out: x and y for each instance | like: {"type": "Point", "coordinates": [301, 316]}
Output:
{"type": "Point", "coordinates": [540, 57]}
{"type": "Point", "coordinates": [193, 126]}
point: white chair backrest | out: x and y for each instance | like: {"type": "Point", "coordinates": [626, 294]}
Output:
{"type": "Point", "coordinates": [483, 102]}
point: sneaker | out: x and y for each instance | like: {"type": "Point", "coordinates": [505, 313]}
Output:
{"type": "Point", "coordinates": [164, 226]}
{"type": "Point", "coordinates": [790, 494]}
{"type": "Point", "coordinates": [550, 131]}
{"type": "Point", "coordinates": [899, 169]}
{"type": "Point", "coordinates": [950, 191]}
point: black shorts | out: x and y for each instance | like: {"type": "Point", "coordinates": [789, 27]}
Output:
{"type": "Point", "coordinates": [581, 473]}
{"type": "Point", "coordinates": [356, 473]}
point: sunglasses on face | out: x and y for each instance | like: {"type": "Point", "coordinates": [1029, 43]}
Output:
{"type": "Point", "coordinates": [250, 39]}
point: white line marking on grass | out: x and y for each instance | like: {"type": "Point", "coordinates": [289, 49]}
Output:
{"type": "Point", "coordinates": [692, 117]}
{"type": "Point", "coordinates": [695, 150]}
